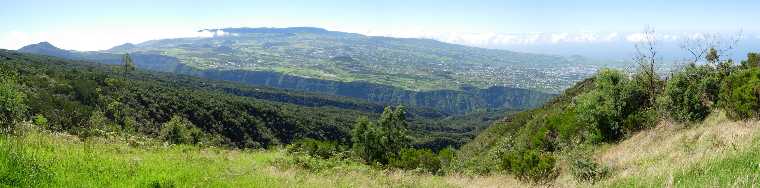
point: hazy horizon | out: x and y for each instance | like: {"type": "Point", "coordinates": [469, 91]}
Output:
{"type": "Point", "coordinates": [551, 27]}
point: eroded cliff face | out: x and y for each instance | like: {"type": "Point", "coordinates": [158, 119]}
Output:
{"type": "Point", "coordinates": [447, 101]}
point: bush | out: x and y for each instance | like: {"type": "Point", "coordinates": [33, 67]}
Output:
{"type": "Point", "coordinates": [753, 60]}
{"type": "Point", "coordinates": [12, 104]}
{"type": "Point", "coordinates": [602, 108]}
{"type": "Point", "coordinates": [615, 100]}
{"type": "Point", "coordinates": [40, 120]}
{"type": "Point", "coordinates": [180, 131]}
{"type": "Point", "coordinates": [446, 156]}
{"type": "Point", "coordinates": [422, 159]}
{"type": "Point", "coordinates": [690, 93]}
{"type": "Point", "coordinates": [316, 148]}
{"type": "Point", "coordinates": [379, 142]}
{"type": "Point", "coordinates": [585, 169]}
{"type": "Point", "coordinates": [740, 94]}
{"type": "Point", "coordinates": [97, 125]}
{"type": "Point", "coordinates": [638, 120]}
{"type": "Point", "coordinates": [530, 165]}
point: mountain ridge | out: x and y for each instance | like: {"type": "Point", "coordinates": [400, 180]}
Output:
{"type": "Point", "coordinates": [449, 101]}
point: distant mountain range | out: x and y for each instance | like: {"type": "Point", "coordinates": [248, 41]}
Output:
{"type": "Point", "coordinates": [412, 64]}
{"type": "Point", "coordinates": [418, 72]}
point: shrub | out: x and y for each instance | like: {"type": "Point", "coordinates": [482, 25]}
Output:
{"type": "Point", "coordinates": [179, 130]}
{"type": "Point", "coordinates": [615, 100]}
{"type": "Point", "coordinates": [740, 94]}
{"type": "Point", "coordinates": [422, 159]}
{"type": "Point", "coordinates": [315, 148]}
{"type": "Point", "coordinates": [602, 108]}
{"type": "Point", "coordinates": [530, 165]}
{"type": "Point", "coordinates": [690, 93]}
{"type": "Point", "coordinates": [638, 120]}
{"type": "Point", "coordinates": [446, 156]}
{"type": "Point", "coordinates": [585, 169]}
{"type": "Point", "coordinates": [753, 60]}
{"type": "Point", "coordinates": [12, 104]}
{"type": "Point", "coordinates": [381, 141]}
{"type": "Point", "coordinates": [40, 120]}
{"type": "Point", "coordinates": [97, 125]}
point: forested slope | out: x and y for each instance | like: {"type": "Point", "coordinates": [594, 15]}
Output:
{"type": "Point", "coordinates": [74, 96]}
{"type": "Point", "coordinates": [291, 65]}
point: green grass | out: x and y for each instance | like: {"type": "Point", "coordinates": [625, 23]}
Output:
{"type": "Point", "coordinates": [742, 170]}
{"type": "Point", "coordinates": [61, 161]}
{"type": "Point", "coordinates": [731, 158]}
{"type": "Point", "coordinates": [714, 153]}
{"type": "Point", "coordinates": [57, 160]}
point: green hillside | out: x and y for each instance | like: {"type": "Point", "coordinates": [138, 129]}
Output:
{"type": "Point", "coordinates": [698, 128]}
{"type": "Point", "coordinates": [411, 64]}
{"type": "Point", "coordinates": [460, 99]}
{"type": "Point", "coordinates": [70, 94]}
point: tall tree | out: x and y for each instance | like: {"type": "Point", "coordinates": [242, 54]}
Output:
{"type": "Point", "coordinates": [129, 65]}
{"type": "Point", "coordinates": [381, 141]}
{"type": "Point", "coordinates": [12, 103]}
{"type": "Point", "coordinates": [648, 59]}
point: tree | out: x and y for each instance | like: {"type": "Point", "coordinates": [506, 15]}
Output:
{"type": "Point", "coordinates": [393, 123]}
{"type": "Point", "coordinates": [648, 59]}
{"type": "Point", "coordinates": [709, 47]}
{"type": "Point", "coordinates": [179, 130]}
{"type": "Point", "coordinates": [753, 60]}
{"type": "Point", "coordinates": [129, 65]}
{"type": "Point", "coordinates": [12, 103]}
{"type": "Point", "coordinates": [690, 93]}
{"type": "Point", "coordinates": [740, 94]}
{"type": "Point", "coordinates": [602, 108]}
{"type": "Point", "coordinates": [379, 142]}
{"type": "Point", "coordinates": [712, 56]}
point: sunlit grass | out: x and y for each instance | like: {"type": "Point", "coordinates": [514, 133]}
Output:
{"type": "Point", "coordinates": [716, 152]}
{"type": "Point", "coordinates": [39, 159]}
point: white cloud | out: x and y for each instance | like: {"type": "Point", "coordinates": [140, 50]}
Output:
{"type": "Point", "coordinates": [104, 38]}
{"type": "Point", "coordinates": [497, 39]}
{"type": "Point", "coordinates": [610, 37]}
{"type": "Point", "coordinates": [635, 37]}
{"type": "Point", "coordinates": [668, 37]}
{"type": "Point", "coordinates": [557, 37]}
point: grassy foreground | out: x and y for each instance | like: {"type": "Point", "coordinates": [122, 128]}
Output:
{"type": "Point", "coordinates": [716, 152]}
{"type": "Point", "coordinates": [41, 159]}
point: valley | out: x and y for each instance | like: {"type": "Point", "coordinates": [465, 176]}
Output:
{"type": "Point", "coordinates": [392, 93]}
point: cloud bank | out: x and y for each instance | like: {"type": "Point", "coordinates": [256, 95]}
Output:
{"type": "Point", "coordinates": [105, 38]}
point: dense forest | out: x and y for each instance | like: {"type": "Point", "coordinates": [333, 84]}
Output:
{"type": "Point", "coordinates": [459, 100]}
{"type": "Point", "coordinates": [89, 99]}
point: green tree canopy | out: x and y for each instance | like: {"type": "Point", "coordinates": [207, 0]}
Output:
{"type": "Point", "coordinates": [12, 101]}
{"type": "Point", "coordinates": [381, 141]}
{"type": "Point", "coordinates": [129, 65]}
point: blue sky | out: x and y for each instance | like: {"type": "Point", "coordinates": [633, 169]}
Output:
{"type": "Point", "coordinates": [93, 25]}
